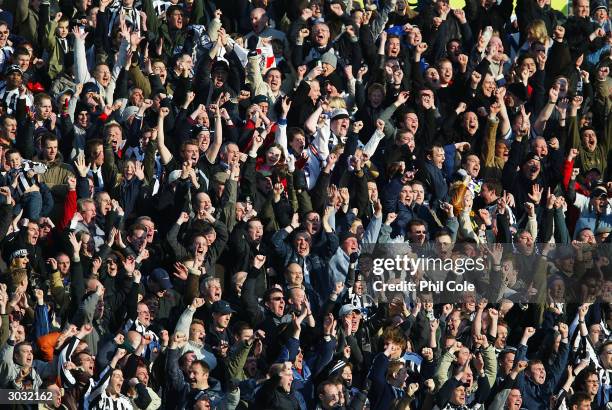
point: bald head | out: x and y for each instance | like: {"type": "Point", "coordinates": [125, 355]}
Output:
{"type": "Point", "coordinates": [259, 20]}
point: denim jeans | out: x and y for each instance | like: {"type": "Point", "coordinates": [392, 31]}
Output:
{"type": "Point", "coordinates": [32, 205]}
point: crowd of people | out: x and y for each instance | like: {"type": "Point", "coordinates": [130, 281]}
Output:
{"type": "Point", "coordinates": [194, 195]}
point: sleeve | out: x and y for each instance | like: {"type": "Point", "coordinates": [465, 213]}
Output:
{"type": "Point", "coordinates": [81, 71]}
{"type": "Point", "coordinates": [66, 376]}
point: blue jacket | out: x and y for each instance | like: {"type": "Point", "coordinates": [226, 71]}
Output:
{"type": "Point", "coordinates": [536, 397]}
{"type": "Point", "coordinates": [381, 393]}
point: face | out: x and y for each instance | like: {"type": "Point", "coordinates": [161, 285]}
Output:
{"type": "Point", "coordinates": [537, 372]}
{"type": "Point", "coordinates": [213, 292]}
{"type": "Point", "coordinates": [405, 195]}
{"type": "Point", "coordinates": [302, 245]}
{"type": "Point", "coordinates": [274, 80]}
{"type": "Point", "coordinates": [294, 274]}
{"type": "Point", "coordinates": [312, 223]}
{"type": "Point", "coordinates": [589, 140]}
{"type": "Point", "coordinates": [222, 321]}
{"type": "Point", "coordinates": [15, 160]}
{"type": "Point", "coordinates": [605, 358]}
{"type": "Point", "coordinates": [372, 191]}
{"type": "Point", "coordinates": [14, 80]}
{"type": "Point", "coordinates": [10, 127]}
{"type": "Point", "coordinates": [33, 233]}
{"type": "Point", "coordinates": [347, 375]}
{"type": "Point", "coordinates": [4, 34]}
{"type": "Point", "coordinates": [488, 85]}
{"type": "Point", "coordinates": [472, 166]}
{"type": "Point", "coordinates": [276, 303]}
{"type": "Point", "coordinates": [159, 68]}
{"type": "Point", "coordinates": [470, 122]}
{"type": "Point", "coordinates": [529, 65]}
{"type": "Point", "coordinates": [102, 75]}
{"type": "Point", "coordinates": [63, 264]}
{"type": "Point", "coordinates": [320, 33]}
{"type": "Point", "coordinates": [501, 150]}
{"type": "Point", "coordinates": [418, 234]}
{"type": "Point", "coordinates": [340, 127]}
{"type": "Point", "coordinates": [191, 153]}
{"type": "Point", "coordinates": [531, 169]}
{"type": "Point", "coordinates": [350, 246]}
{"type": "Point", "coordinates": [25, 356]}
{"type": "Point", "coordinates": [407, 138]}
{"type": "Point", "coordinates": [144, 315]}
{"type": "Point", "coordinates": [444, 246]}
{"type": "Point", "coordinates": [273, 156]}
{"type": "Point", "coordinates": [116, 381]}
{"type": "Point", "coordinates": [88, 213]}
{"type": "Point", "coordinates": [582, 8]}
{"type": "Point", "coordinates": [515, 400]}
{"type": "Point", "coordinates": [446, 72]}
{"type": "Point", "coordinates": [115, 136]}
{"type": "Point", "coordinates": [44, 109]}
{"type": "Point", "coordinates": [458, 396]}
{"type": "Point", "coordinates": [415, 36]}
{"type": "Point", "coordinates": [255, 231]}
{"type": "Point", "coordinates": [330, 397]}
{"type": "Point", "coordinates": [197, 376]}
{"type": "Point", "coordinates": [175, 20]}
{"type": "Point", "coordinates": [525, 243]}
{"type": "Point", "coordinates": [508, 362]}
{"type": "Point", "coordinates": [231, 154]}
{"type": "Point", "coordinates": [393, 47]}
{"type": "Point", "coordinates": [438, 157]}
{"type": "Point", "coordinates": [376, 97]}
{"type": "Point", "coordinates": [129, 170]}
{"type": "Point", "coordinates": [298, 143]}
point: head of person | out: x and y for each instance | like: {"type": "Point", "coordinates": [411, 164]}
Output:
{"type": "Point", "coordinates": [294, 275]}
{"type": "Point", "coordinates": [275, 301]}
{"type": "Point", "coordinates": [328, 394]}
{"type": "Point", "coordinates": [296, 140]}
{"type": "Point", "coordinates": [524, 242]}
{"type": "Point", "coordinates": [102, 74]}
{"type": "Point", "coordinates": [531, 166]}
{"type": "Point", "coordinates": [197, 331]}
{"type": "Point", "coordinates": [470, 123]}
{"type": "Point", "coordinates": [229, 153]}
{"type": "Point", "coordinates": [582, 8]}
{"type": "Point", "coordinates": [312, 223]}
{"type": "Point", "coordinates": [443, 244]}
{"type": "Point", "coordinates": [281, 375]}
{"type": "Point", "coordinates": [580, 401]}
{"type": "Point", "coordinates": [471, 163]}
{"type": "Point", "coordinates": [514, 400]}
{"type": "Point", "coordinates": [395, 341]}
{"type": "Point", "coordinates": [506, 361]}
{"type": "Point", "coordinates": [417, 231]}
{"type": "Point", "coordinates": [198, 375]}
{"type": "Point", "coordinates": [436, 155]}
{"type": "Point", "coordinates": [405, 137]}
{"type": "Point", "coordinates": [254, 230]}
{"type": "Point", "coordinates": [301, 242]}
{"type": "Point", "coordinates": [536, 372]}
{"type": "Point", "coordinates": [320, 34]}
{"type": "Point", "coordinates": [175, 17]}
{"type": "Point", "coordinates": [87, 208]}
{"type": "Point", "coordinates": [393, 46]}
{"type": "Point", "coordinates": [222, 314]}
{"type": "Point", "coordinates": [605, 355]}
{"type": "Point", "coordinates": [259, 20]}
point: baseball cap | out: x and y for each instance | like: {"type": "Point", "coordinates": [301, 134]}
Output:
{"type": "Point", "coordinates": [161, 277]}
{"type": "Point", "coordinates": [222, 307]}
{"type": "Point", "coordinates": [339, 113]}
{"type": "Point", "coordinates": [348, 308]}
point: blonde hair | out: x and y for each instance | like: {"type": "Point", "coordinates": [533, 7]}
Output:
{"type": "Point", "coordinates": [537, 31]}
{"type": "Point", "coordinates": [337, 102]}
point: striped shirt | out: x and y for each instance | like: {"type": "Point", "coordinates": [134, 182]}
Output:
{"type": "Point", "coordinates": [9, 98]}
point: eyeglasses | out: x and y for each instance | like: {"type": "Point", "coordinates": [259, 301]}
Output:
{"type": "Point", "coordinates": [276, 299]}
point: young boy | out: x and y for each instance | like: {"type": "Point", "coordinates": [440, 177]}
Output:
{"type": "Point", "coordinates": [57, 44]}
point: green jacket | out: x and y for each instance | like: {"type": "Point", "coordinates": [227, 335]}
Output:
{"type": "Point", "coordinates": [56, 53]}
